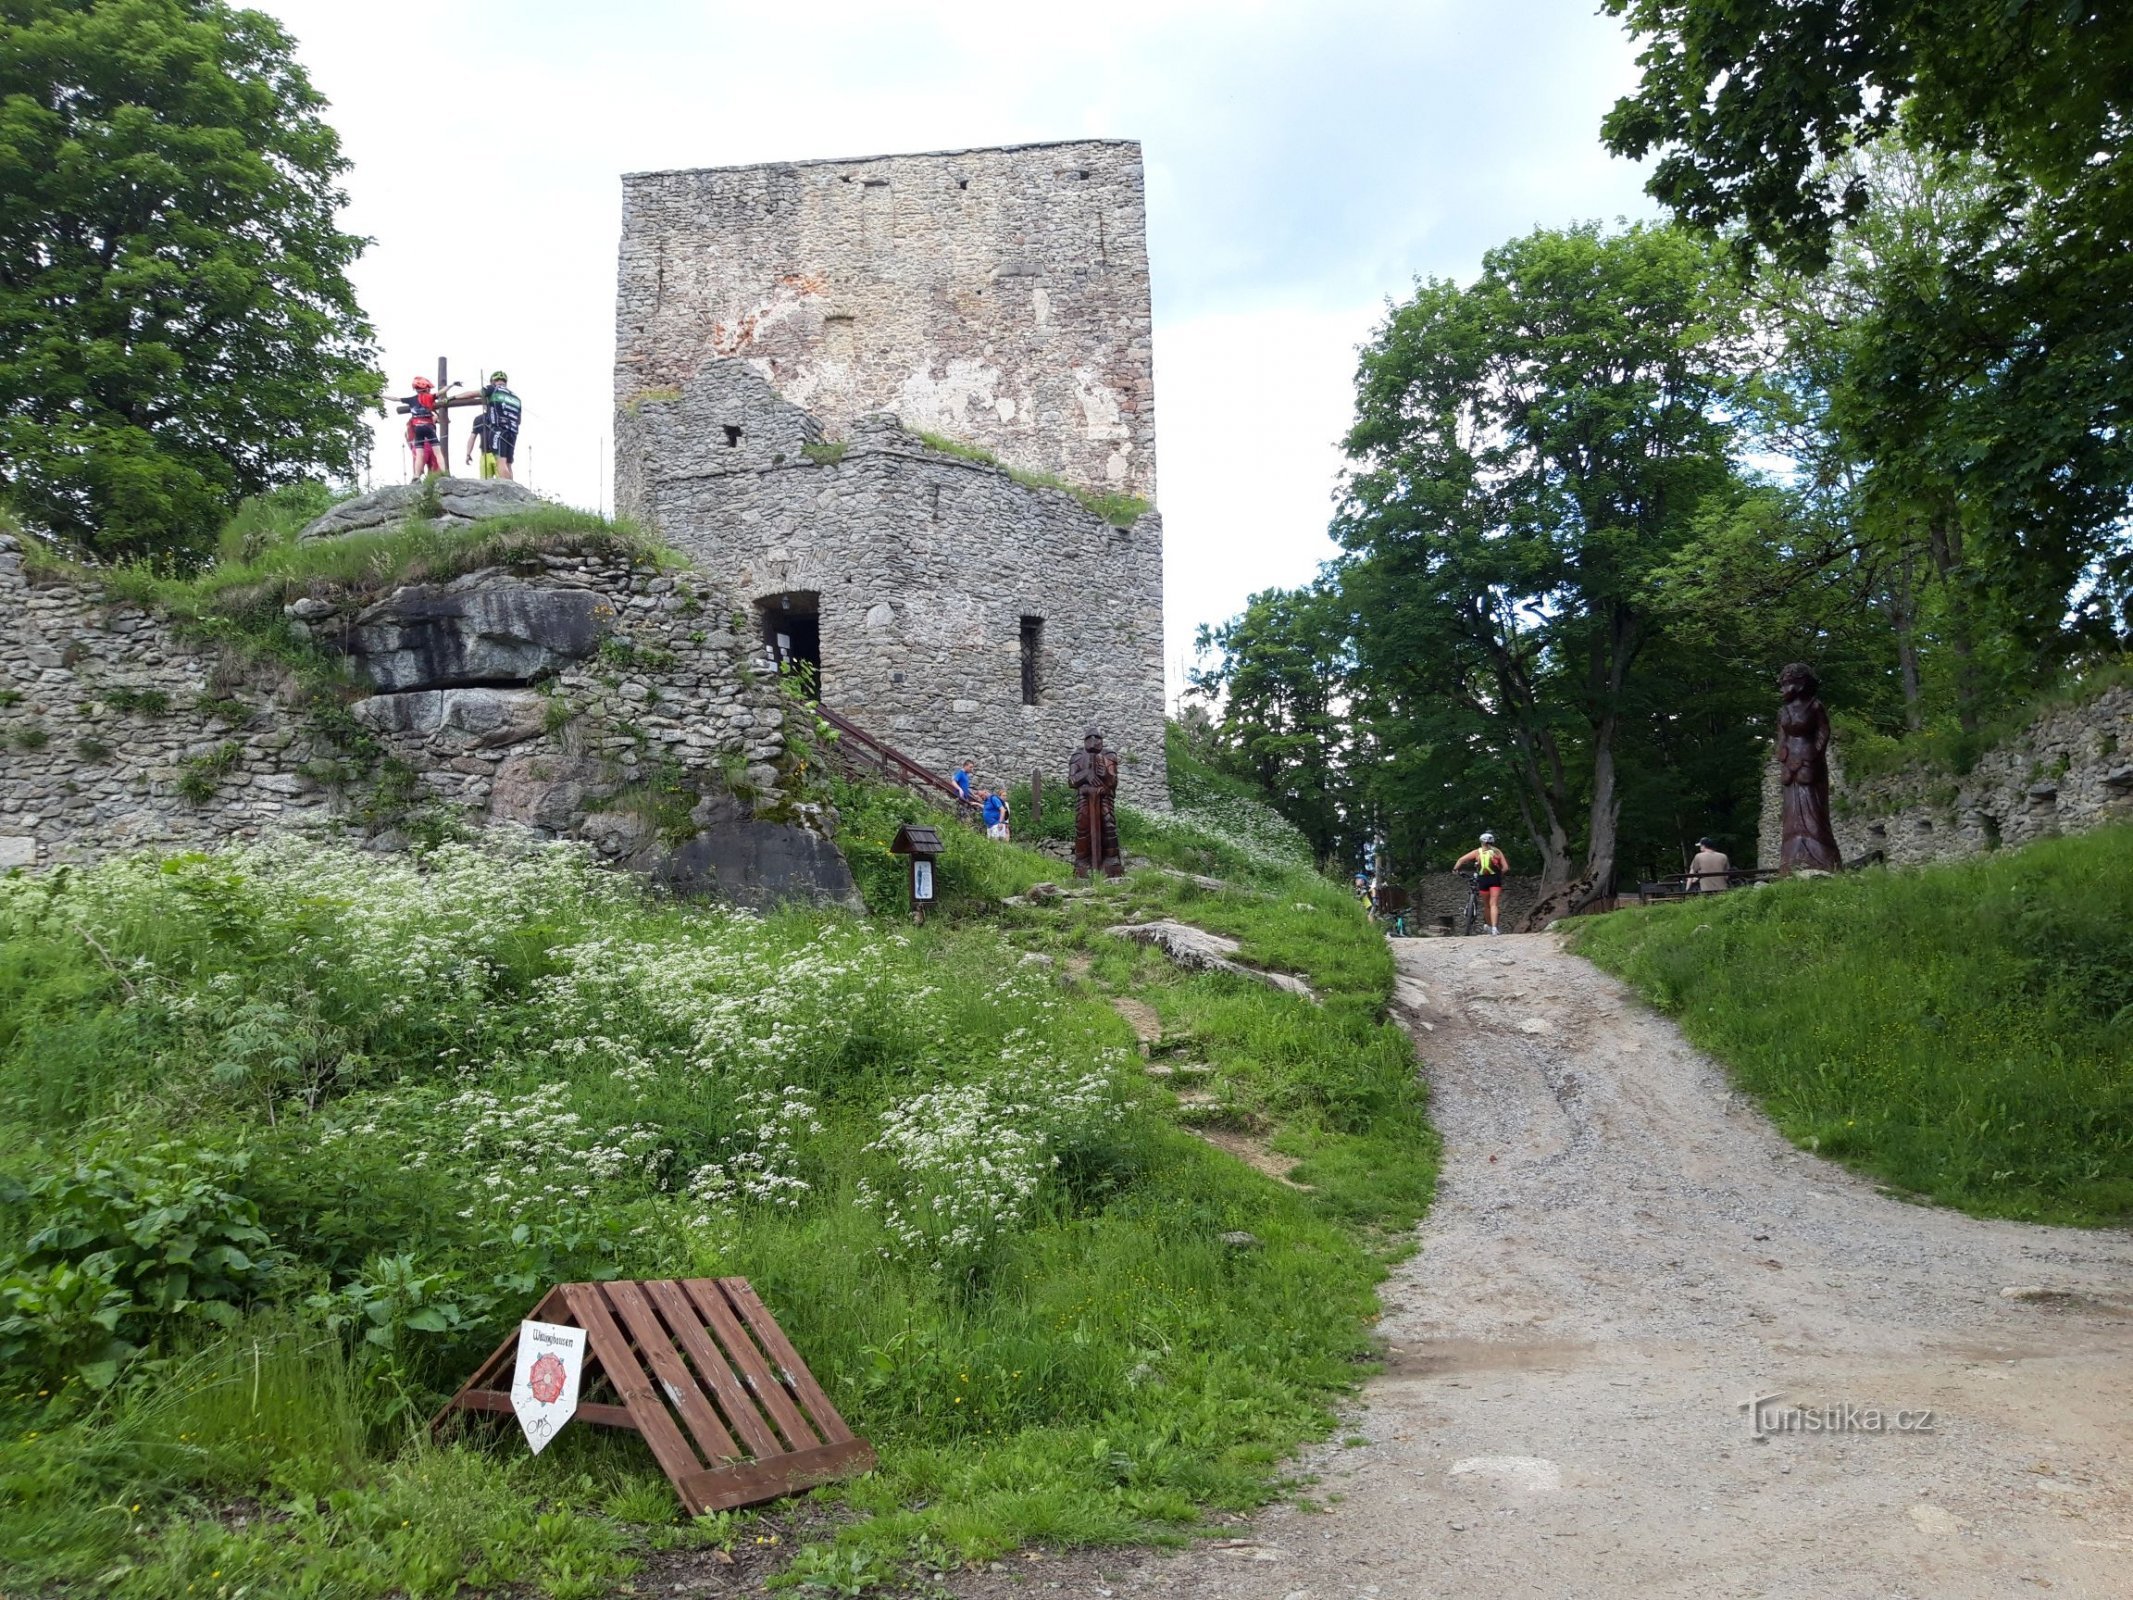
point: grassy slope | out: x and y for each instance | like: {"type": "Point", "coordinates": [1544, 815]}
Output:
{"type": "Point", "coordinates": [1963, 1032]}
{"type": "Point", "coordinates": [1098, 1372]}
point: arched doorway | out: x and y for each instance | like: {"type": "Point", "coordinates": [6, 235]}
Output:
{"type": "Point", "coordinates": [792, 631]}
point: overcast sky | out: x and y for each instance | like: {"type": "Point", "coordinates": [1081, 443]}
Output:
{"type": "Point", "coordinates": [1306, 159]}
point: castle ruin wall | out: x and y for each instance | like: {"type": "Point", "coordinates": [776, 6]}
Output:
{"type": "Point", "coordinates": [998, 297]}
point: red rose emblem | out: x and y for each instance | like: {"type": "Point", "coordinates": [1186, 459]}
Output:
{"type": "Point", "coordinates": [546, 1380]}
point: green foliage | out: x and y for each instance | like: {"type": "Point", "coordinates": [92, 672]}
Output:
{"type": "Point", "coordinates": [1283, 681]}
{"type": "Point", "coordinates": [118, 1245]}
{"type": "Point", "coordinates": [265, 521]}
{"type": "Point", "coordinates": [145, 702]}
{"type": "Point", "coordinates": [1959, 1031]}
{"type": "Point", "coordinates": [200, 776]}
{"type": "Point", "coordinates": [1531, 449]}
{"type": "Point", "coordinates": [462, 1077]}
{"type": "Point", "coordinates": [824, 453]}
{"type": "Point", "coordinates": [179, 328]}
{"type": "Point", "coordinates": [31, 736]}
{"type": "Point", "coordinates": [1120, 510]}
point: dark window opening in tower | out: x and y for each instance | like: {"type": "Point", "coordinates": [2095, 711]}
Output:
{"type": "Point", "coordinates": [733, 435]}
{"type": "Point", "coordinates": [1032, 655]}
{"type": "Point", "coordinates": [792, 632]}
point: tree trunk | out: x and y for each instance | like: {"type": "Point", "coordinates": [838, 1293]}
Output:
{"type": "Point", "coordinates": [1945, 541]}
{"type": "Point", "coordinates": [1606, 811]}
{"type": "Point", "coordinates": [1903, 614]}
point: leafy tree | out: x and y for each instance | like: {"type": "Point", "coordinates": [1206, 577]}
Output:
{"type": "Point", "coordinates": [1994, 374]}
{"type": "Point", "coordinates": [1282, 676]}
{"type": "Point", "coordinates": [177, 329]}
{"type": "Point", "coordinates": [1529, 451]}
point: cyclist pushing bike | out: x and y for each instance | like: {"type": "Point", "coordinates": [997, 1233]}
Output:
{"type": "Point", "coordinates": [1489, 867]}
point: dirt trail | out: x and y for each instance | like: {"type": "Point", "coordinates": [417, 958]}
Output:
{"type": "Point", "coordinates": [1622, 1253]}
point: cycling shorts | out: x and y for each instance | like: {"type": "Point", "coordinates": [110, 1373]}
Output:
{"type": "Point", "coordinates": [1489, 880]}
{"type": "Point", "coordinates": [501, 445]}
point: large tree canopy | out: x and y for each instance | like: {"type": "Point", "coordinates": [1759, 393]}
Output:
{"type": "Point", "coordinates": [177, 329]}
{"type": "Point", "coordinates": [1529, 452]}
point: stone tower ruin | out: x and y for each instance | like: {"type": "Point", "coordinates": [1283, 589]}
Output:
{"type": "Point", "coordinates": [904, 408]}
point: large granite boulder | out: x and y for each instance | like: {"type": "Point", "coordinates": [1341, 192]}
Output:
{"type": "Point", "coordinates": [760, 865]}
{"type": "Point", "coordinates": [462, 501]}
{"type": "Point", "coordinates": [458, 719]}
{"type": "Point", "coordinates": [483, 629]}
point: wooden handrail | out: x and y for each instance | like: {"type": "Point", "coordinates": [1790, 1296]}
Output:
{"type": "Point", "coordinates": [887, 758]}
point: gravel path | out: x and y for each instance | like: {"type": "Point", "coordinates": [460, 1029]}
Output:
{"type": "Point", "coordinates": [1622, 1253]}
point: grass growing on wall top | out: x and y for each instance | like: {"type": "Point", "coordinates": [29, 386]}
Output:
{"type": "Point", "coordinates": [1120, 510]}
{"type": "Point", "coordinates": [1867, 753]}
{"type": "Point", "coordinates": [1964, 1031]}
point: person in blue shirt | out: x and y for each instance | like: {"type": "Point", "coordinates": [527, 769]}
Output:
{"type": "Point", "coordinates": [995, 816]}
{"type": "Point", "coordinates": [964, 796]}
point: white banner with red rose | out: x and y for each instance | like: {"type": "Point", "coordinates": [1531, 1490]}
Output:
{"type": "Point", "coordinates": [544, 1388]}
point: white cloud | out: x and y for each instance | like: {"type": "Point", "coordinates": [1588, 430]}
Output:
{"type": "Point", "coordinates": [1305, 160]}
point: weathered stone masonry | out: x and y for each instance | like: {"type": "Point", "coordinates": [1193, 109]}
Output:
{"type": "Point", "coordinates": [996, 296]}
{"type": "Point", "coordinates": [929, 577]}
{"type": "Point", "coordinates": [559, 695]}
{"type": "Point", "coordinates": [2070, 770]}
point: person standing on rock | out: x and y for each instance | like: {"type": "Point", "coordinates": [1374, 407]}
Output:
{"type": "Point", "coordinates": [421, 412]}
{"type": "Point", "coordinates": [1709, 868]}
{"type": "Point", "coordinates": [1489, 869]}
{"type": "Point", "coordinates": [500, 410]}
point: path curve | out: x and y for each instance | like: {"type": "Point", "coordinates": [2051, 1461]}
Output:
{"type": "Point", "coordinates": [1622, 1252]}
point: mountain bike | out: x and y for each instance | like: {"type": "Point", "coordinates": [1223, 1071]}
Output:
{"type": "Point", "coordinates": [1473, 902]}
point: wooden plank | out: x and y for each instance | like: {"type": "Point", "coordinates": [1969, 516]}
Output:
{"type": "Point", "coordinates": [769, 1393]}
{"type": "Point", "coordinates": [592, 1411]}
{"type": "Point", "coordinates": [791, 1368]}
{"type": "Point", "coordinates": [656, 1347]}
{"type": "Point", "coordinates": [669, 1448]}
{"type": "Point", "coordinates": [486, 1373]}
{"type": "Point", "coordinates": [726, 1389]}
{"type": "Point", "coordinates": [751, 1483]}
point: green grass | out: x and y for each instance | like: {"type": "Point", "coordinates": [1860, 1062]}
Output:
{"type": "Point", "coordinates": [287, 1043]}
{"type": "Point", "coordinates": [1120, 510]}
{"type": "Point", "coordinates": [412, 553]}
{"type": "Point", "coordinates": [1962, 1032]}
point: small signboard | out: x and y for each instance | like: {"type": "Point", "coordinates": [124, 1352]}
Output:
{"type": "Point", "coordinates": [921, 879]}
{"type": "Point", "coordinates": [544, 1387]}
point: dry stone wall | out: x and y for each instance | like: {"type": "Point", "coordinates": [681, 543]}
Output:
{"type": "Point", "coordinates": [578, 694]}
{"type": "Point", "coordinates": [998, 296]}
{"type": "Point", "coordinates": [2069, 771]}
{"type": "Point", "coordinates": [928, 576]}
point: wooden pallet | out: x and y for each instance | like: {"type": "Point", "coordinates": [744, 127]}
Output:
{"type": "Point", "coordinates": [701, 1369]}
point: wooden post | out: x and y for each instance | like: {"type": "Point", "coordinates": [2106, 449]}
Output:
{"type": "Point", "coordinates": [444, 419]}
{"type": "Point", "coordinates": [1036, 800]}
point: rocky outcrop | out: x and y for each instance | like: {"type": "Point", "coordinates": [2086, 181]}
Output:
{"type": "Point", "coordinates": [1197, 950]}
{"type": "Point", "coordinates": [484, 628]}
{"type": "Point", "coordinates": [460, 502]}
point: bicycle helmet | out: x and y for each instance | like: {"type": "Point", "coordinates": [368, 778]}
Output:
{"type": "Point", "coordinates": [499, 376]}
{"type": "Point", "coordinates": [1488, 838]}
{"type": "Point", "coordinates": [423, 383]}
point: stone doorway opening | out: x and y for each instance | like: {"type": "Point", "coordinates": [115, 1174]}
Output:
{"type": "Point", "coordinates": [792, 631]}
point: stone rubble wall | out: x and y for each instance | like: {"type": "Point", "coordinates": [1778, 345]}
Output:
{"type": "Point", "coordinates": [995, 296]}
{"type": "Point", "coordinates": [556, 695]}
{"type": "Point", "coordinates": [925, 566]}
{"type": "Point", "coordinates": [2069, 771]}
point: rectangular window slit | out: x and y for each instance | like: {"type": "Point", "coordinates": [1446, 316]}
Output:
{"type": "Point", "coordinates": [1032, 651]}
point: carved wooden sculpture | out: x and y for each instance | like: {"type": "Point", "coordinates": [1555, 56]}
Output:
{"type": "Point", "coordinates": [1803, 764]}
{"type": "Point", "coordinates": [1092, 773]}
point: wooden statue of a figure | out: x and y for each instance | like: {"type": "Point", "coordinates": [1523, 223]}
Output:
{"type": "Point", "coordinates": [1092, 773]}
{"type": "Point", "coordinates": [1803, 765]}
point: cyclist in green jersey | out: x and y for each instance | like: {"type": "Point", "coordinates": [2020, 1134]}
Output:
{"type": "Point", "coordinates": [1489, 869]}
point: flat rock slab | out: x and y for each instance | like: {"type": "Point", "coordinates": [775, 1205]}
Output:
{"type": "Point", "coordinates": [464, 502]}
{"type": "Point", "coordinates": [482, 629]}
{"type": "Point", "coordinates": [1197, 950]}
